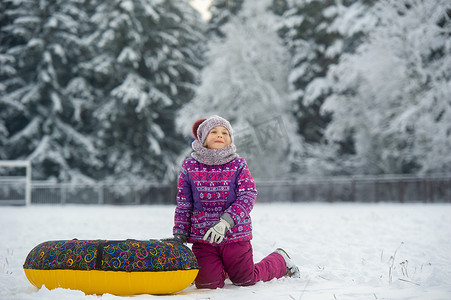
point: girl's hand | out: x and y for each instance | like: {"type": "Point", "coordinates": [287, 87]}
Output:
{"type": "Point", "coordinates": [181, 238]}
{"type": "Point", "coordinates": [178, 238]}
{"type": "Point", "coordinates": [217, 231]}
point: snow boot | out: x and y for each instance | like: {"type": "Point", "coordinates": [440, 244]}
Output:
{"type": "Point", "coordinates": [292, 269]}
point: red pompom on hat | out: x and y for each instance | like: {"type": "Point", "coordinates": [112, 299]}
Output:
{"type": "Point", "coordinates": [196, 126]}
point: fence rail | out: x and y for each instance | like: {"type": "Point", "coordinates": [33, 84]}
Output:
{"type": "Point", "coordinates": [433, 188]}
{"type": "Point", "coordinates": [150, 193]}
{"type": "Point", "coordinates": [393, 188]}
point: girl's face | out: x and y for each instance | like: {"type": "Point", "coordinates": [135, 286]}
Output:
{"type": "Point", "coordinates": [218, 138]}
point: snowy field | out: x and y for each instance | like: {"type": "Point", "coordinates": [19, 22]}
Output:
{"type": "Point", "coordinates": [345, 251]}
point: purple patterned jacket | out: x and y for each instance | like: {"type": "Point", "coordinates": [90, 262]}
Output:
{"type": "Point", "coordinates": [206, 192]}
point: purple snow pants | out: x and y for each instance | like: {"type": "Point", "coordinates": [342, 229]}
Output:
{"type": "Point", "coordinates": [236, 261]}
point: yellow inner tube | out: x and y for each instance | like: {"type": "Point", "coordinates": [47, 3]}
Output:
{"type": "Point", "coordinates": [129, 267]}
{"type": "Point", "coordinates": [113, 282]}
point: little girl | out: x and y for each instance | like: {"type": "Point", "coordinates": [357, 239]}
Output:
{"type": "Point", "coordinates": [216, 194]}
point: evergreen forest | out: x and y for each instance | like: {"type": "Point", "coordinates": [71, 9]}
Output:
{"type": "Point", "coordinates": [107, 91]}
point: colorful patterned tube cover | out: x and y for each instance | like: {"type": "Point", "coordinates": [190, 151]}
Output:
{"type": "Point", "coordinates": [148, 266]}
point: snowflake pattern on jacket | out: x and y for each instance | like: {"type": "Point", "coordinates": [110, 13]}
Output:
{"type": "Point", "coordinates": [205, 192]}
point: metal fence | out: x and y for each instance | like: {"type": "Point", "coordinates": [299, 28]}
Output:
{"type": "Point", "coordinates": [359, 189]}
{"type": "Point", "coordinates": [333, 189]}
{"type": "Point", "coordinates": [121, 194]}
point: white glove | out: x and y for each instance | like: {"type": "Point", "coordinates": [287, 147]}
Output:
{"type": "Point", "coordinates": [217, 231]}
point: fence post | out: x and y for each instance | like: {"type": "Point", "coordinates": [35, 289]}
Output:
{"type": "Point", "coordinates": [330, 196]}
{"type": "Point", "coordinates": [63, 192]}
{"type": "Point", "coordinates": [173, 189]}
{"type": "Point", "coordinates": [432, 190]}
{"type": "Point", "coordinates": [137, 198]}
{"type": "Point", "coordinates": [353, 190]}
{"type": "Point", "coordinates": [293, 192]}
{"type": "Point", "coordinates": [449, 191]}
{"type": "Point", "coordinates": [401, 191]}
{"type": "Point", "coordinates": [312, 191]}
{"type": "Point", "coordinates": [100, 193]}
{"type": "Point", "coordinates": [376, 190]}
{"type": "Point", "coordinates": [425, 190]}
{"type": "Point", "coordinates": [28, 184]}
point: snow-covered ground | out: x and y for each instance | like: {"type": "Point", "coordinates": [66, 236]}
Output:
{"type": "Point", "coordinates": [345, 251]}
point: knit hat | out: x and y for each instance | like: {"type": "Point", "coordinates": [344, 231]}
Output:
{"type": "Point", "coordinates": [202, 127]}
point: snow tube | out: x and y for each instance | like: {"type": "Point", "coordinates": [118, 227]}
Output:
{"type": "Point", "coordinates": [116, 267]}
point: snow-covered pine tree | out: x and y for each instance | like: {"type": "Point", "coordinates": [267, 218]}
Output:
{"type": "Point", "coordinates": [245, 81]}
{"type": "Point", "coordinates": [144, 65]}
{"type": "Point", "coordinates": [41, 119]}
{"type": "Point", "coordinates": [392, 97]}
{"type": "Point", "coordinates": [7, 70]}
{"type": "Point", "coordinates": [316, 33]}
{"type": "Point", "coordinates": [221, 13]}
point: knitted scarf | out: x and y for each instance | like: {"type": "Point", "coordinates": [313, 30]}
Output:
{"type": "Point", "coordinates": [213, 157]}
